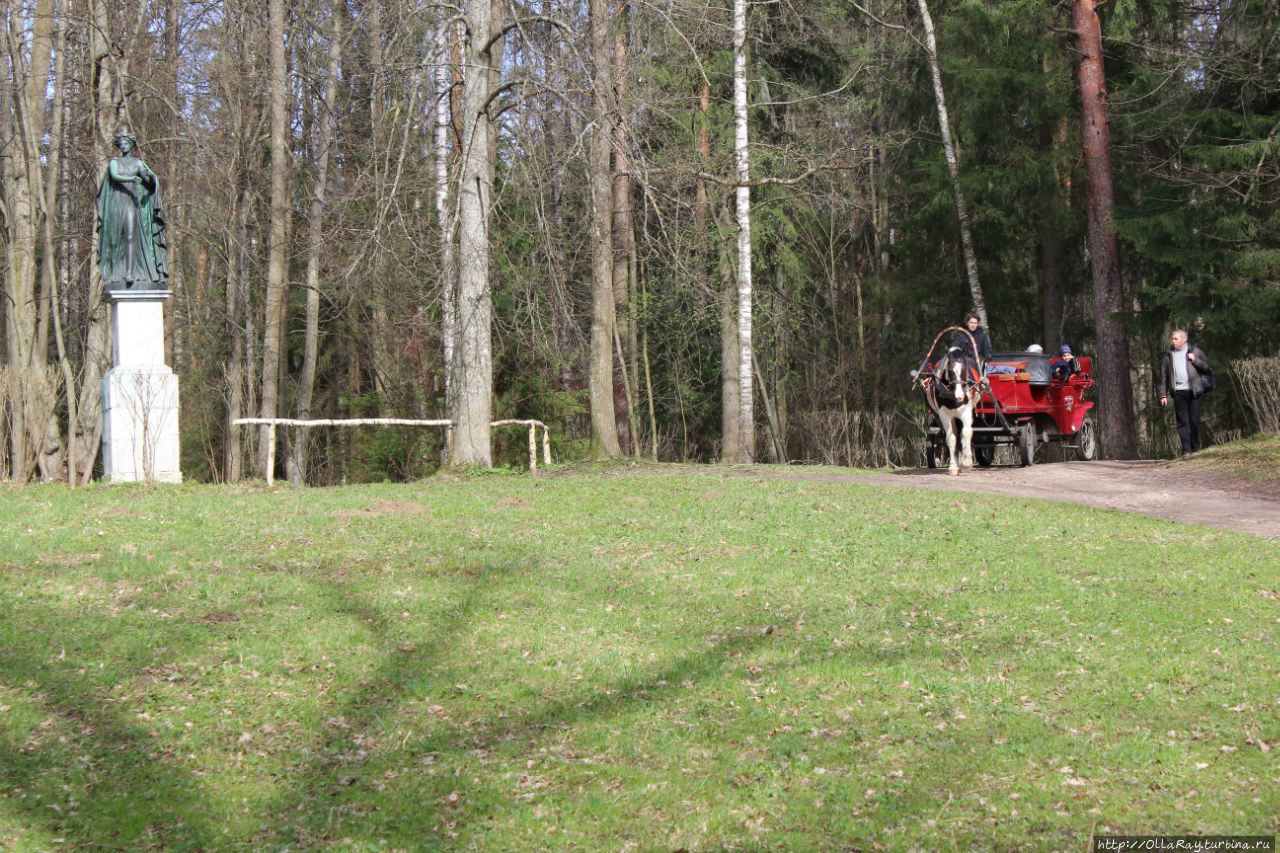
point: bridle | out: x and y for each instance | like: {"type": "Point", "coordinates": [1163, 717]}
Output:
{"type": "Point", "coordinates": [969, 380]}
{"type": "Point", "coordinates": [954, 373]}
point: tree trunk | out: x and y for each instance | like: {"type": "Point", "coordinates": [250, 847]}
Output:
{"type": "Point", "coordinates": [1051, 288]}
{"type": "Point", "coordinates": [237, 320]}
{"type": "Point", "coordinates": [742, 193]}
{"type": "Point", "coordinates": [604, 427]}
{"type": "Point", "coordinates": [444, 210]}
{"type": "Point", "coordinates": [384, 346]}
{"type": "Point", "coordinates": [176, 307]}
{"type": "Point", "coordinates": [53, 182]}
{"type": "Point", "coordinates": [1115, 392]}
{"type": "Point", "coordinates": [774, 449]}
{"type": "Point", "coordinates": [277, 263]}
{"type": "Point", "coordinates": [1057, 199]}
{"type": "Point", "coordinates": [879, 180]}
{"type": "Point", "coordinates": [473, 355]}
{"type": "Point", "coordinates": [315, 238]}
{"type": "Point", "coordinates": [623, 240]}
{"type": "Point", "coordinates": [726, 286]}
{"type": "Point", "coordinates": [31, 397]}
{"type": "Point", "coordinates": [953, 166]}
{"type": "Point", "coordinates": [556, 132]}
{"type": "Point", "coordinates": [642, 278]}
{"type": "Point", "coordinates": [730, 364]}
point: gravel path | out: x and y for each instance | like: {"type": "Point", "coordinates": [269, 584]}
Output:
{"type": "Point", "coordinates": [1170, 490]}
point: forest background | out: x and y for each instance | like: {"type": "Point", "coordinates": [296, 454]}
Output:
{"type": "Point", "coordinates": [378, 208]}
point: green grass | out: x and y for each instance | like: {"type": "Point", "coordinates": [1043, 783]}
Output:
{"type": "Point", "coordinates": [595, 661]}
{"type": "Point", "coordinates": [1255, 458]}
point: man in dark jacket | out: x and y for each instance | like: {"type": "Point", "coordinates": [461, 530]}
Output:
{"type": "Point", "coordinates": [1182, 379]}
{"type": "Point", "coordinates": [973, 323]}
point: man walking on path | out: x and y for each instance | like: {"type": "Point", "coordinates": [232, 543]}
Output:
{"type": "Point", "coordinates": [1182, 378]}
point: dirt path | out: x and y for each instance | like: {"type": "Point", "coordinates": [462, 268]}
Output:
{"type": "Point", "coordinates": [1174, 491]}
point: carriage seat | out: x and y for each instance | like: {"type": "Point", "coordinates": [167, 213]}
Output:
{"type": "Point", "coordinates": [1036, 366]}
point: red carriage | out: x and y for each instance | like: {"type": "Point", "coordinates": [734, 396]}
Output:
{"type": "Point", "coordinates": [1025, 406]}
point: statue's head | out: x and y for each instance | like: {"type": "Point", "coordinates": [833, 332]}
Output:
{"type": "Point", "coordinates": [124, 138]}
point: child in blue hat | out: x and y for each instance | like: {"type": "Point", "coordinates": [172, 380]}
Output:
{"type": "Point", "coordinates": [1065, 365]}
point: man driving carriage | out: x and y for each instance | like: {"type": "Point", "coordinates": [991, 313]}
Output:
{"type": "Point", "coordinates": [975, 335]}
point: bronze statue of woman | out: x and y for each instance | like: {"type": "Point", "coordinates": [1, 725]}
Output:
{"type": "Point", "coordinates": [131, 240]}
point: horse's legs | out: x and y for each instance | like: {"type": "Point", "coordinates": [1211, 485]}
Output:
{"type": "Point", "coordinates": [966, 435]}
{"type": "Point", "coordinates": [949, 425]}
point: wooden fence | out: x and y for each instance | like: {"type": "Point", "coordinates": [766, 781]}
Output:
{"type": "Point", "coordinates": [272, 423]}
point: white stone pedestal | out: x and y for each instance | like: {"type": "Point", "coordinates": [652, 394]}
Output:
{"type": "Point", "coordinates": [139, 394]}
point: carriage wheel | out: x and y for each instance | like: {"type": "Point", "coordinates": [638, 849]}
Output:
{"type": "Point", "coordinates": [984, 454]}
{"type": "Point", "coordinates": [1087, 440]}
{"type": "Point", "coordinates": [1027, 444]}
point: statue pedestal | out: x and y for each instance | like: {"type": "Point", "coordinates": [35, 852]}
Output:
{"type": "Point", "coordinates": [139, 394]}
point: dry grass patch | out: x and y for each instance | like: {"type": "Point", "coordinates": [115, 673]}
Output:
{"type": "Point", "coordinates": [380, 508]}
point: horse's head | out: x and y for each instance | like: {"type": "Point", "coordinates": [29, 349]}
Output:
{"type": "Point", "coordinates": [949, 377]}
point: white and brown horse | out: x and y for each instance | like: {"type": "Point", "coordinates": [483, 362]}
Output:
{"type": "Point", "coordinates": [953, 390]}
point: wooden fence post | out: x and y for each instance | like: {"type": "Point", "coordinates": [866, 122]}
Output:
{"type": "Point", "coordinates": [271, 454]}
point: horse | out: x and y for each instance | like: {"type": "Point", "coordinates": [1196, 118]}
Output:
{"type": "Point", "coordinates": [953, 391]}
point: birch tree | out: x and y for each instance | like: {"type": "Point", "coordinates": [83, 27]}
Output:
{"type": "Point", "coordinates": [742, 199]}
{"type": "Point", "coordinates": [277, 265]}
{"type": "Point", "coordinates": [953, 164]}
{"type": "Point", "coordinates": [444, 208]}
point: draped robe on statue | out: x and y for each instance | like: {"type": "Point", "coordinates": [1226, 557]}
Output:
{"type": "Point", "coordinates": [131, 242]}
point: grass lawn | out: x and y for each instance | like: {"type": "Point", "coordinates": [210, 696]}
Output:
{"type": "Point", "coordinates": [595, 661]}
{"type": "Point", "coordinates": [1255, 458]}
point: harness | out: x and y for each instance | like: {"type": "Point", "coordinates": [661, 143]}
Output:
{"type": "Point", "coordinates": [969, 382]}
{"type": "Point", "coordinates": [976, 376]}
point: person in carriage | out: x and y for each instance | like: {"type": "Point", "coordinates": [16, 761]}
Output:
{"type": "Point", "coordinates": [965, 342]}
{"type": "Point", "coordinates": [1065, 365]}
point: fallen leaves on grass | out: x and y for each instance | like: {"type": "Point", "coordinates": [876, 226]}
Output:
{"type": "Point", "coordinates": [378, 508]}
{"type": "Point", "coordinates": [66, 561]}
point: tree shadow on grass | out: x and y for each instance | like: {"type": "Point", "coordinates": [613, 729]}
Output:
{"type": "Point", "coordinates": [90, 772]}
{"type": "Point", "coordinates": [416, 798]}
{"type": "Point", "coordinates": [443, 790]}
{"type": "Point", "coordinates": [90, 768]}
{"type": "Point", "coordinates": [117, 784]}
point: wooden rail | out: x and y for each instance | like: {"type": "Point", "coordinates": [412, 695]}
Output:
{"type": "Point", "coordinates": [533, 444]}
{"type": "Point", "coordinates": [272, 423]}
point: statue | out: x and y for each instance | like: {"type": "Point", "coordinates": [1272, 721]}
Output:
{"type": "Point", "coordinates": [131, 242]}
